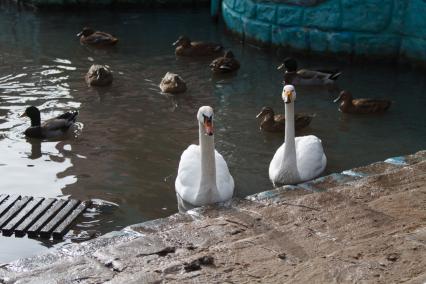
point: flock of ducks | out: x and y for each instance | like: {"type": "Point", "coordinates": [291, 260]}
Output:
{"type": "Point", "coordinates": [203, 175]}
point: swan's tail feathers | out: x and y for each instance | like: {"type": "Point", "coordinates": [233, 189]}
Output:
{"type": "Point", "coordinates": [334, 76]}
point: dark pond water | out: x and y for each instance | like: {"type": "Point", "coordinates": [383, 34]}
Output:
{"type": "Point", "coordinates": [127, 153]}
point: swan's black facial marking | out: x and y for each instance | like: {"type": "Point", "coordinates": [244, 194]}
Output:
{"type": "Point", "coordinates": [208, 124]}
{"type": "Point", "coordinates": [207, 118]}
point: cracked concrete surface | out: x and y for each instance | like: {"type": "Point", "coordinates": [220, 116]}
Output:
{"type": "Point", "coordinates": [363, 228]}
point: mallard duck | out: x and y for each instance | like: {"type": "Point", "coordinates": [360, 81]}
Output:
{"type": "Point", "coordinates": [172, 83]}
{"type": "Point", "coordinates": [225, 64]}
{"type": "Point", "coordinates": [350, 105]}
{"type": "Point", "coordinates": [298, 159]}
{"type": "Point", "coordinates": [96, 38]}
{"type": "Point", "coordinates": [184, 47]}
{"type": "Point", "coordinates": [276, 122]}
{"type": "Point", "coordinates": [305, 76]}
{"type": "Point", "coordinates": [99, 75]}
{"type": "Point", "coordinates": [51, 128]}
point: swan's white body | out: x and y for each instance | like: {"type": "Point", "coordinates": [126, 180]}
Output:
{"type": "Point", "coordinates": [203, 176]}
{"type": "Point", "coordinates": [297, 159]}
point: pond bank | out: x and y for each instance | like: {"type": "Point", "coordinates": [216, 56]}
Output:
{"type": "Point", "coordinates": [366, 224]}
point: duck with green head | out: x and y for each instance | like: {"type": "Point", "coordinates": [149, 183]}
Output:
{"type": "Point", "coordinates": [52, 128]}
{"type": "Point", "coordinates": [294, 76]}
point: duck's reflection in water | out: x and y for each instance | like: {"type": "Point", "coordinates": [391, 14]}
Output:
{"type": "Point", "coordinates": [35, 148]}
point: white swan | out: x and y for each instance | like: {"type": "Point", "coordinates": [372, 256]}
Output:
{"type": "Point", "coordinates": [298, 159]}
{"type": "Point", "coordinates": [203, 176]}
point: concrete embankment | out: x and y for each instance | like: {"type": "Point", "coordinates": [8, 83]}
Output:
{"type": "Point", "coordinates": [364, 225]}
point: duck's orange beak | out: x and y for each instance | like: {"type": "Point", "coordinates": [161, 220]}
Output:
{"type": "Point", "coordinates": [23, 115]}
{"type": "Point", "coordinates": [208, 126]}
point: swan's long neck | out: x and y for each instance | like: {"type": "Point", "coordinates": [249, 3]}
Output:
{"type": "Point", "coordinates": [208, 162]}
{"type": "Point", "coordinates": [289, 160]}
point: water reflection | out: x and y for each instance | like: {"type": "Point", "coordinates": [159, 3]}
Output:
{"type": "Point", "coordinates": [35, 148]}
{"type": "Point", "coordinates": [133, 136]}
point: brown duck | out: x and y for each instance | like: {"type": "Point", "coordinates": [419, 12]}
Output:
{"type": "Point", "coordinates": [99, 75]}
{"type": "Point", "coordinates": [186, 47]}
{"type": "Point", "coordinates": [350, 105]}
{"type": "Point", "coordinates": [96, 38]}
{"type": "Point", "coordinates": [172, 83]}
{"type": "Point", "coordinates": [225, 64]}
{"type": "Point", "coordinates": [272, 122]}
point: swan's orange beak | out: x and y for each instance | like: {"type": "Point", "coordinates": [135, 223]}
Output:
{"type": "Point", "coordinates": [208, 126]}
{"type": "Point", "coordinates": [287, 97]}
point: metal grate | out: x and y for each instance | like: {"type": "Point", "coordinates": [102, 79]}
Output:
{"type": "Point", "coordinates": [38, 217]}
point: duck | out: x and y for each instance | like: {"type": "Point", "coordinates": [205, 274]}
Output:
{"type": "Point", "coordinates": [186, 47]}
{"type": "Point", "coordinates": [225, 64]}
{"type": "Point", "coordinates": [99, 75]}
{"type": "Point", "coordinates": [203, 175]}
{"type": "Point", "coordinates": [272, 122]}
{"type": "Point", "coordinates": [52, 128]}
{"type": "Point", "coordinates": [172, 83]}
{"type": "Point", "coordinates": [298, 159]}
{"type": "Point", "coordinates": [361, 106]}
{"type": "Point", "coordinates": [96, 38]}
{"type": "Point", "coordinates": [293, 76]}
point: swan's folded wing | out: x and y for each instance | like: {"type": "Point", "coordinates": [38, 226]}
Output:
{"type": "Point", "coordinates": [189, 173]}
{"type": "Point", "coordinates": [224, 180]}
{"type": "Point", "coordinates": [275, 165]}
{"type": "Point", "coordinates": [311, 160]}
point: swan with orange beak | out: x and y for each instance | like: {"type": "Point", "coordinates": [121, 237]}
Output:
{"type": "Point", "coordinates": [203, 175]}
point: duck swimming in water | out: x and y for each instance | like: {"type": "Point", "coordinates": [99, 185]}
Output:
{"type": "Point", "coordinates": [99, 75]}
{"type": "Point", "coordinates": [96, 38]}
{"type": "Point", "coordinates": [272, 122]}
{"type": "Point", "coordinates": [186, 47]}
{"type": "Point", "coordinates": [52, 128]}
{"type": "Point", "coordinates": [172, 83]}
{"type": "Point", "coordinates": [225, 64]}
{"type": "Point", "coordinates": [361, 106]}
{"type": "Point", "coordinates": [293, 76]}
